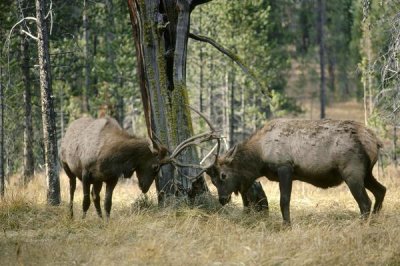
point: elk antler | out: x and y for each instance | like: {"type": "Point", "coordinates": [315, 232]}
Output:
{"type": "Point", "coordinates": [212, 128]}
{"type": "Point", "coordinates": [195, 140]}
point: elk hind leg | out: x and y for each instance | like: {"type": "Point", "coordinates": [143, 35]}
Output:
{"type": "Point", "coordinates": [285, 187]}
{"type": "Point", "coordinates": [72, 187]}
{"type": "Point", "coordinates": [354, 179]}
{"type": "Point", "coordinates": [96, 188]}
{"type": "Point", "coordinates": [377, 189]}
{"type": "Point", "coordinates": [86, 193]}
{"type": "Point", "coordinates": [110, 185]}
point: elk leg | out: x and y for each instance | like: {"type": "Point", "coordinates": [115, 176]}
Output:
{"type": "Point", "coordinates": [110, 185]}
{"type": "Point", "coordinates": [377, 189]}
{"type": "Point", "coordinates": [96, 188]}
{"type": "Point", "coordinates": [72, 187]}
{"type": "Point", "coordinates": [246, 202]}
{"type": "Point", "coordinates": [86, 192]}
{"type": "Point", "coordinates": [285, 187]}
{"type": "Point", "coordinates": [360, 194]}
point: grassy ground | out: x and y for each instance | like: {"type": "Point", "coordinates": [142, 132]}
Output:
{"type": "Point", "coordinates": [326, 229]}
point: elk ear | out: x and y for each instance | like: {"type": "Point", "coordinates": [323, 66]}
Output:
{"type": "Point", "coordinates": [230, 155]}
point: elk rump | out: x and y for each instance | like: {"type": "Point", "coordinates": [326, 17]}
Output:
{"type": "Point", "coordinates": [323, 153]}
{"type": "Point", "coordinates": [99, 150]}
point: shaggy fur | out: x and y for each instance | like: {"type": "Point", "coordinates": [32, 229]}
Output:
{"type": "Point", "coordinates": [98, 150]}
{"type": "Point", "coordinates": [324, 153]}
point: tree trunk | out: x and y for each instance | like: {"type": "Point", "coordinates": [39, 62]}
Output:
{"type": "Point", "coordinates": [28, 131]}
{"type": "Point", "coordinates": [395, 141]}
{"type": "Point", "coordinates": [331, 71]}
{"type": "Point", "coordinates": [95, 78]}
{"type": "Point", "coordinates": [232, 110]}
{"type": "Point", "coordinates": [201, 80]}
{"type": "Point", "coordinates": [2, 175]}
{"type": "Point", "coordinates": [321, 41]}
{"type": "Point", "coordinates": [86, 88]}
{"type": "Point", "coordinates": [48, 115]}
{"type": "Point", "coordinates": [161, 33]}
{"type": "Point", "coordinates": [160, 29]}
{"type": "Point", "coordinates": [118, 109]}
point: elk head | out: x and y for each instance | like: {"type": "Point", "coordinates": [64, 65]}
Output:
{"type": "Point", "coordinates": [147, 171]}
{"type": "Point", "coordinates": [225, 176]}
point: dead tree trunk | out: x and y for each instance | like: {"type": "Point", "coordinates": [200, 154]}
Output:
{"type": "Point", "coordinates": [28, 131]}
{"type": "Point", "coordinates": [86, 88]}
{"type": "Point", "coordinates": [321, 41]}
{"type": "Point", "coordinates": [48, 115]}
{"type": "Point", "coordinates": [2, 175]}
{"type": "Point", "coordinates": [161, 30]}
{"type": "Point", "coordinates": [232, 102]}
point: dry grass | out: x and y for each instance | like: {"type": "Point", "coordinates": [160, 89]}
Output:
{"type": "Point", "coordinates": [326, 230]}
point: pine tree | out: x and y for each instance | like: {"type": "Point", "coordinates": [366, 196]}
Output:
{"type": "Point", "coordinates": [48, 115]}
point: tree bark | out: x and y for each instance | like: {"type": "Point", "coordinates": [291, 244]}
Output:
{"type": "Point", "coordinates": [161, 32]}
{"type": "Point", "coordinates": [321, 41]}
{"type": "Point", "coordinates": [232, 120]}
{"type": "Point", "coordinates": [48, 115]}
{"type": "Point", "coordinates": [2, 175]}
{"type": "Point", "coordinates": [86, 88]}
{"type": "Point", "coordinates": [28, 130]}
{"type": "Point", "coordinates": [202, 62]}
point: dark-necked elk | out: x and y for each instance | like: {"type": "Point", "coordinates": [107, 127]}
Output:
{"type": "Point", "coordinates": [98, 150]}
{"type": "Point", "coordinates": [324, 153]}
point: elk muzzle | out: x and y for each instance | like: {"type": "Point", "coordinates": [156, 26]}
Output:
{"type": "Point", "coordinates": [224, 199]}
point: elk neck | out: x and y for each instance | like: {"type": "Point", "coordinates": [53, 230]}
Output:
{"type": "Point", "coordinates": [247, 161]}
{"type": "Point", "coordinates": [127, 149]}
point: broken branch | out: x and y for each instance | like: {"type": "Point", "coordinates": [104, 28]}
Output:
{"type": "Point", "coordinates": [232, 56]}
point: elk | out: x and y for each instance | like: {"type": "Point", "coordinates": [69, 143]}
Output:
{"type": "Point", "coordinates": [99, 150]}
{"type": "Point", "coordinates": [323, 153]}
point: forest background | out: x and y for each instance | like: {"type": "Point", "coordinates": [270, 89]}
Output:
{"type": "Point", "coordinates": [94, 70]}
{"type": "Point", "coordinates": [296, 50]}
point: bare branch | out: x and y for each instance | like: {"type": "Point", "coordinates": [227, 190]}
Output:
{"type": "Point", "coordinates": [29, 34]}
{"type": "Point", "coordinates": [234, 57]}
{"type": "Point", "coordinates": [19, 22]}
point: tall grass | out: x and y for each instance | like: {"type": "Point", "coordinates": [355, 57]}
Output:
{"type": "Point", "coordinates": [326, 229]}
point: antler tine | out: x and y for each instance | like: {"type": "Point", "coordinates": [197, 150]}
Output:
{"type": "Point", "coordinates": [197, 139]}
{"type": "Point", "coordinates": [203, 116]}
{"type": "Point", "coordinates": [212, 128]}
{"type": "Point", "coordinates": [192, 141]}
{"type": "Point", "coordinates": [155, 138]}
{"type": "Point", "coordinates": [198, 175]}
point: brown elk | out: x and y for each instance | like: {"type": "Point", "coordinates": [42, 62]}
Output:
{"type": "Point", "coordinates": [323, 153]}
{"type": "Point", "coordinates": [98, 150]}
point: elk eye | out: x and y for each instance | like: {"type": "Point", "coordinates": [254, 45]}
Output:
{"type": "Point", "coordinates": [223, 177]}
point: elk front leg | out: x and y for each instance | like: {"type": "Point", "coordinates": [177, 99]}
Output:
{"type": "Point", "coordinates": [285, 187]}
{"type": "Point", "coordinates": [86, 192]}
{"type": "Point", "coordinates": [110, 185]}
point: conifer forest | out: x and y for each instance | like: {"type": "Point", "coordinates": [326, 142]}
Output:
{"type": "Point", "coordinates": [180, 108]}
